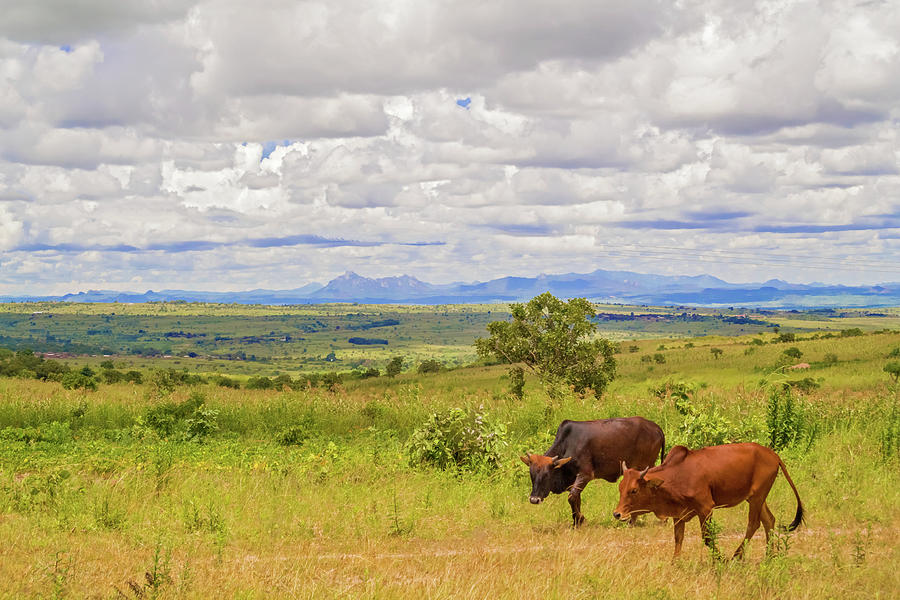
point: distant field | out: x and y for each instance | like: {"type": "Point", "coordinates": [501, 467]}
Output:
{"type": "Point", "coordinates": [248, 340]}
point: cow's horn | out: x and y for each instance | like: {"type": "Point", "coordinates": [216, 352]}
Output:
{"type": "Point", "coordinates": [526, 458]}
{"type": "Point", "coordinates": [644, 472]}
{"type": "Point", "coordinates": [553, 458]}
{"type": "Point", "coordinates": [624, 467]}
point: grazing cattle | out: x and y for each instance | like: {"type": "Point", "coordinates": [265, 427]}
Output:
{"type": "Point", "coordinates": [586, 450]}
{"type": "Point", "coordinates": [692, 483]}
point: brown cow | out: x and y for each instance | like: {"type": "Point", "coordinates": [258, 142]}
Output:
{"type": "Point", "coordinates": [586, 450]}
{"type": "Point", "coordinates": [692, 483]}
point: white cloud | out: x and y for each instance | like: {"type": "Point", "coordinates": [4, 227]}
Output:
{"type": "Point", "coordinates": [158, 142]}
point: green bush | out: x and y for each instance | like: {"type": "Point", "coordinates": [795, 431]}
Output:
{"type": "Point", "coordinates": [74, 380]}
{"type": "Point", "coordinates": [703, 426]}
{"type": "Point", "coordinates": [786, 421]}
{"type": "Point", "coordinates": [430, 366]}
{"type": "Point", "coordinates": [189, 420]}
{"type": "Point", "coordinates": [458, 439]}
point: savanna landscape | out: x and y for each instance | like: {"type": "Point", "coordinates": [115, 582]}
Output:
{"type": "Point", "coordinates": [181, 450]}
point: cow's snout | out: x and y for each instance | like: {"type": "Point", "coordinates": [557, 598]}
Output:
{"type": "Point", "coordinates": [535, 500]}
{"type": "Point", "coordinates": [617, 515]}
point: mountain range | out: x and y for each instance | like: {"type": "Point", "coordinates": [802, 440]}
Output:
{"type": "Point", "coordinates": [602, 286]}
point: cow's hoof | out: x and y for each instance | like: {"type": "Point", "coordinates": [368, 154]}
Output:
{"type": "Point", "coordinates": [578, 521]}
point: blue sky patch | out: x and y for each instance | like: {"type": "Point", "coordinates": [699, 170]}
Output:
{"type": "Point", "coordinates": [464, 102]}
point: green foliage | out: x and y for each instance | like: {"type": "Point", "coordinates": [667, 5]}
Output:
{"type": "Point", "coordinates": [852, 332]}
{"type": "Point", "coordinates": [890, 433]}
{"type": "Point", "coordinates": [786, 338]}
{"type": "Point", "coordinates": [659, 359]}
{"type": "Point", "coordinates": [894, 353]}
{"type": "Point", "coordinates": [394, 366]}
{"type": "Point", "coordinates": [793, 352]}
{"type": "Point", "coordinates": [552, 338]}
{"type": "Point", "coordinates": [517, 382]}
{"type": "Point", "coordinates": [716, 352]}
{"type": "Point", "coordinates": [74, 380]}
{"type": "Point", "coordinates": [430, 366]}
{"type": "Point", "coordinates": [188, 420]}
{"type": "Point", "coordinates": [227, 382]}
{"type": "Point", "coordinates": [700, 426]}
{"type": "Point", "coordinates": [260, 383]}
{"type": "Point", "coordinates": [830, 359]}
{"type": "Point", "coordinates": [892, 368]}
{"type": "Point", "coordinates": [55, 432]}
{"type": "Point", "coordinates": [679, 391]}
{"type": "Point", "coordinates": [786, 420]}
{"type": "Point", "coordinates": [806, 385]}
{"type": "Point", "coordinates": [458, 439]}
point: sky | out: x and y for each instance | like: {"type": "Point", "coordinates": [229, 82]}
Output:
{"type": "Point", "coordinates": [230, 145]}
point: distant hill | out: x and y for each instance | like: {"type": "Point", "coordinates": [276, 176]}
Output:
{"type": "Point", "coordinates": [600, 285]}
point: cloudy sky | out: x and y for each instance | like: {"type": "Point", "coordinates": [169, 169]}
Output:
{"type": "Point", "coordinates": [220, 145]}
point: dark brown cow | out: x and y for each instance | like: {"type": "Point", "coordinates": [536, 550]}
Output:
{"type": "Point", "coordinates": [586, 450]}
{"type": "Point", "coordinates": [692, 483]}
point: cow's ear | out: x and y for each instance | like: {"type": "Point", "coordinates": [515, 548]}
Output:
{"type": "Point", "coordinates": [560, 462]}
{"type": "Point", "coordinates": [526, 458]}
{"type": "Point", "coordinates": [654, 483]}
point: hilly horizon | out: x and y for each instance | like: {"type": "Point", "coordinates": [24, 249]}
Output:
{"type": "Point", "coordinates": [600, 286]}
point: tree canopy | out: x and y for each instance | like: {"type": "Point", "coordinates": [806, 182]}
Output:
{"type": "Point", "coordinates": [556, 340]}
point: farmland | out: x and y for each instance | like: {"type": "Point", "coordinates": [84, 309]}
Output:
{"type": "Point", "coordinates": [158, 490]}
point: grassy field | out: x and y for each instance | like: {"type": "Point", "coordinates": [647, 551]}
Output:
{"type": "Point", "coordinates": [140, 492]}
{"type": "Point", "coordinates": [245, 341]}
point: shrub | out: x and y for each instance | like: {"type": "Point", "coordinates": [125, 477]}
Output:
{"type": "Point", "coordinates": [394, 366]}
{"type": "Point", "coordinates": [852, 332]}
{"type": "Point", "coordinates": [787, 337]}
{"type": "Point", "coordinates": [227, 382]}
{"type": "Point", "coordinates": [830, 359]}
{"type": "Point", "coordinates": [260, 383]}
{"type": "Point", "coordinates": [807, 384]}
{"type": "Point", "coordinates": [785, 420]}
{"type": "Point", "coordinates": [191, 418]}
{"type": "Point", "coordinates": [430, 366]}
{"type": "Point", "coordinates": [703, 426]}
{"type": "Point", "coordinates": [74, 380]}
{"type": "Point", "coordinates": [793, 352]}
{"type": "Point", "coordinates": [659, 358]}
{"type": "Point", "coordinates": [458, 439]}
{"type": "Point", "coordinates": [893, 369]}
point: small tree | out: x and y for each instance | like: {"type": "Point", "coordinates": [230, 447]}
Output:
{"type": "Point", "coordinates": [430, 365]}
{"type": "Point", "coordinates": [893, 369]}
{"type": "Point", "coordinates": [716, 352]}
{"type": "Point", "coordinates": [553, 338]}
{"type": "Point", "coordinates": [394, 366]}
{"type": "Point", "coordinates": [793, 352]}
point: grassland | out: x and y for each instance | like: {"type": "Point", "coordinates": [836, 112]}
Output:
{"type": "Point", "coordinates": [311, 493]}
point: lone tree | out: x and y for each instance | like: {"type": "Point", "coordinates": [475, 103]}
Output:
{"type": "Point", "coordinates": [554, 339]}
{"type": "Point", "coordinates": [394, 366]}
{"type": "Point", "coordinates": [716, 352]}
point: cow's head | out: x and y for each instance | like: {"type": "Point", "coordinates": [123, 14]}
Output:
{"type": "Point", "coordinates": [637, 495]}
{"type": "Point", "coordinates": [547, 475]}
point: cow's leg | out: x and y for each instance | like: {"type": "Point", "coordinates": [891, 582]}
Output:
{"type": "Point", "coordinates": [575, 499]}
{"type": "Point", "coordinates": [679, 536]}
{"type": "Point", "coordinates": [753, 518]}
{"type": "Point", "coordinates": [768, 521]}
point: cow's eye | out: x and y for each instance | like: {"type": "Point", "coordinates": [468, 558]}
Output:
{"type": "Point", "coordinates": [633, 491]}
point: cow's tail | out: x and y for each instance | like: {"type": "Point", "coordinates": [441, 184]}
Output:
{"type": "Point", "coordinates": [662, 448]}
{"type": "Point", "coordinates": [799, 517]}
